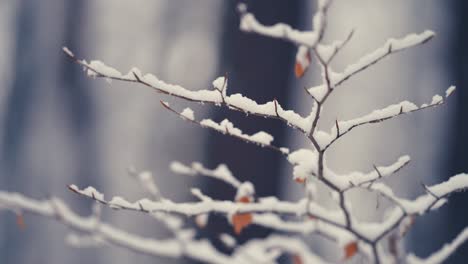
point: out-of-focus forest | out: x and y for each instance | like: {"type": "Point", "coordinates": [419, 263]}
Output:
{"type": "Point", "coordinates": [59, 127]}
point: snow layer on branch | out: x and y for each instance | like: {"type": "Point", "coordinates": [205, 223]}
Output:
{"type": "Point", "coordinates": [221, 172]}
{"type": "Point", "coordinates": [326, 52]}
{"type": "Point", "coordinates": [59, 210]}
{"type": "Point", "coordinates": [220, 83]}
{"type": "Point", "coordinates": [391, 46]}
{"type": "Point", "coordinates": [430, 200]}
{"type": "Point", "coordinates": [379, 114]}
{"type": "Point", "coordinates": [322, 138]}
{"type": "Point", "coordinates": [264, 205]}
{"type": "Point", "coordinates": [228, 240]}
{"type": "Point", "coordinates": [358, 178]}
{"type": "Point", "coordinates": [303, 56]}
{"type": "Point", "coordinates": [88, 191]}
{"type": "Point", "coordinates": [188, 113]}
{"type": "Point", "coordinates": [442, 254]}
{"type": "Point", "coordinates": [246, 189]}
{"type": "Point", "coordinates": [184, 244]}
{"type": "Point", "coordinates": [249, 23]}
{"type": "Point", "coordinates": [102, 69]}
{"type": "Point", "coordinates": [238, 102]}
{"type": "Point", "coordinates": [201, 95]}
{"type": "Point", "coordinates": [99, 69]}
{"type": "Point", "coordinates": [271, 108]}
{"type": "Point", "coordinates": [418, 206]}
{"type": "Point", "coordinates": [383, 114]}
{"type": "Point", "coordinates": [226, 126]}
{"type": "Point", "coordinates": [305, 163]}
{"type": "Point", "coordinates": [455, 183]}
{"type": "Point", "coordinates": [318, 92]}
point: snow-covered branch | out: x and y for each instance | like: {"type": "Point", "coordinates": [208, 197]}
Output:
{"type": "Point", "coordinates": [363, 230]}
{"type": "Point", "coordinates": [236, 102]}
{"type": "Point", "coordinates": [442, 254]}
{"type": "Point", "coordinates": [310, 39]}
{"type": "Point", "coordinates": [225, 127]}
{"type": "Point", "coordinates": [56, 208]}
{"type": "Point", "coordinates": [343, 127]}
{"type": "Point", "coordinates": [434, 198]}
{"type": "Point", "coordinates": [357, 179]}
{"type": "Point", "coordinates": [391, 46]}
{"type": "Point", "coordinates": [264, 205]}
{"type": "Point", "coordinates": [184, 245]}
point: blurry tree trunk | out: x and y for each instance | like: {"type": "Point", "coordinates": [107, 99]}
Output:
{"type": "Point", "coordinates": [18, 105]}
{"type": "Point", "coordinates": [259, 68]}
{"type": "Point", "coordinates": [457, 161]}
{"type": "Point", "coordinates": [48, 124]}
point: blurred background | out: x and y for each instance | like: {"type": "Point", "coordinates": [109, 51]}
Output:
{"type": "Point", "coordinates": [59, 127]}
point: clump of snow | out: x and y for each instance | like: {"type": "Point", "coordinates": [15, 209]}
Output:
{"type": "Point", "coordinates": [68, 52]}
{"type": "Point", "coordinates": [318, 92]}
{"type": "Point", "coordinates": [228, 240]}
{"type": "Point", "coordinates": [220, 83]}
{"type": "Point", "coordinates": [180, 168]}
{"type": "Point", "coordinates": [357, 178]}
{"type": "Point", "coordinates": [102, 69]}
{"type": "Point", "coordinates": [201, 95]}
{"type": "Point", "coordinates": [303, 60]}
{"type": "Point", "coordinates": [437, 99]}
{"type": "Point", "coordinates": [262, 138]}
{"type": "Point", "coordinates": [188, 114]}
{"type": "Point", "coordinates": [284, 150]}
{"type": "Point", "coordinates": [322, 138]}
{"type": "Point", "coordinates": [305, 163]}
{"type": "Point", "coordinates": [246, 189]}
{"type": "Point", "coordinates": [226, 126]}
{"type": "Point", "coordinates": [88, 191]}
{"type": "Point", "coordinates": [449, 91]}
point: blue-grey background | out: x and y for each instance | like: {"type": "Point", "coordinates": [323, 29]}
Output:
{"type": "Point", "coordinates": [59, 127]}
